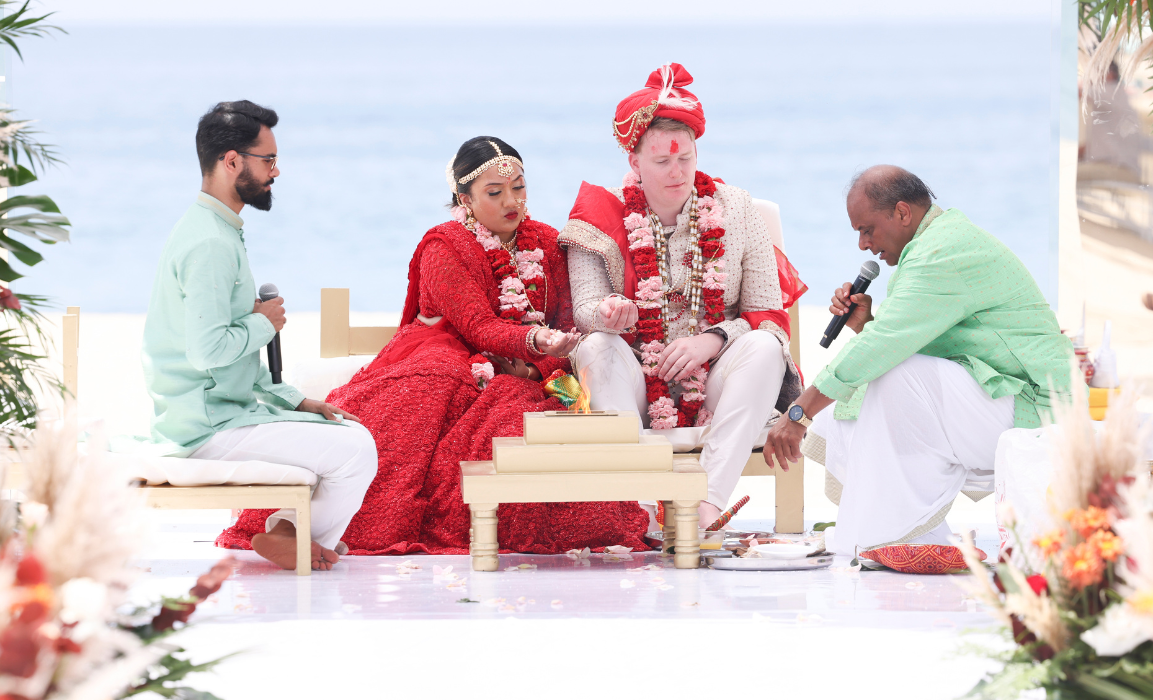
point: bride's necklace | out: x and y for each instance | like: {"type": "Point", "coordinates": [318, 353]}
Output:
{"type": "Point", "coordinates": [520, 275]}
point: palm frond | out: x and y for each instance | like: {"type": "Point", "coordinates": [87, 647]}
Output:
{"type": "Point", "coordinates": [21, 24]}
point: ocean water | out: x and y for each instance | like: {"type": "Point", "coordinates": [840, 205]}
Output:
{"type": "Point", "coordinates": [370, 115]}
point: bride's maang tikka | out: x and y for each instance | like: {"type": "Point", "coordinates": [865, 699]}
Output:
{"type": "Point", "coordinates": [502, 162]}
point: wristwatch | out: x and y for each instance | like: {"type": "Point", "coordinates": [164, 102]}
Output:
{"type": "Point", "coordinates": [797, 415]}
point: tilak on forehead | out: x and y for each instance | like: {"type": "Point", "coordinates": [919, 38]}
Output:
{"type": "Point", "coordinates": [662, 96]}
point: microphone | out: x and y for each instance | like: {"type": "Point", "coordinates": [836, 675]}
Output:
{"type": "Point", "coordinates": [275, 364]}
{"type": "Point", "coordinates": [869, 272]}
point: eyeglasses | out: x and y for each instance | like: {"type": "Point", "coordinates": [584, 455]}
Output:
{"type": "Point", "coordinates": [270, 159]}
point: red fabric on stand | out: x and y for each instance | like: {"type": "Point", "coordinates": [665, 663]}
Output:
{"type": "Point", "coordinates": [420, 402]}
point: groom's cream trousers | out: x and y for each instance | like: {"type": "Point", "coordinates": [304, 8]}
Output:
{"type": "Point", "coordinates": [342, 456]}
{"type": "Point", "coordinates": [741, 390]}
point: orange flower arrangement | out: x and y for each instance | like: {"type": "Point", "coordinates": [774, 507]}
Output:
{"type": "Point", "coordinates": [1108, 545]}
{"type": "Point", "coordinates": [1050, 543]}
{"type": "Point", "coordinates": [1088, 520]}
{"type": "Point", "coordinates": [1083, 566]}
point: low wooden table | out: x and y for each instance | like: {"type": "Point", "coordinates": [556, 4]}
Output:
{"type": "Point", "coordinates": [681, 490]}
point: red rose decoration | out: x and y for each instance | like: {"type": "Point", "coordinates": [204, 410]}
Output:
{"type": "Point", "coordinates": [9, 300]}
{"type": "Point", "coordinates": [30, 572]}
{"type": "Point", "coordinates": [1038, 583]}
{"type": "Point", "coordinates": [19, 647]}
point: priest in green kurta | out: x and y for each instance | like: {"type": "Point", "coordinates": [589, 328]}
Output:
{"type": "Point", "coordinates": [963, 348]}
{"type": "Point", "coordinates": [214, 398]}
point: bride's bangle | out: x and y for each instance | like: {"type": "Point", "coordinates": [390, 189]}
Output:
{"type": "Point", "coordinates": [530, 340]}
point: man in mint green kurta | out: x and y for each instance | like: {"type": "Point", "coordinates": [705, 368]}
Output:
{"type": "Point", "coordinates": [214, 398]}
{"type": "Point", "coordinates": [963, 348]}
{"type": "Point", "coordinates": [202, 340]}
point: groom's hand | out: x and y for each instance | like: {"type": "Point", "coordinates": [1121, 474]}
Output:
{"type": "Point", "coordinates": [327, 410]}
{"type": "Point", "coordinates": [618, 314]}
{"type": "Point", "coordinates": [684, 355]}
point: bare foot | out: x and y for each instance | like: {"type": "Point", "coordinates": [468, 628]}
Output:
{"type": "Point", "coordinates": [707, 513]}
{"type": "Point", "coordinates": [279, 547]}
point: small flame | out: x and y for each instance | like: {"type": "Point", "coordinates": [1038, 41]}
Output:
{"type": "Point", "coordinates": [584, 398]}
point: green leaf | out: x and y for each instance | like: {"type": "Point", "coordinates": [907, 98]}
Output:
{"type": "Point", "coordinates": [1108, 690]}
{"type": "Point", "coordinates": [7, 274]}
{"type": "Point", "coordinates": [821, 527]}
{"type": "Point", "coordinates": [17, 175]}
{"type": "Point", "coordinates": [1007, 579]}
{"type": "Point", "coordinates": [38, 202]}
{"type": "Point", "coordinates": [467, 600]}
{"type": "Point", "coordinates": [22, 252]}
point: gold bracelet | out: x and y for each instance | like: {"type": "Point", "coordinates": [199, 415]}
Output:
{"type": "Point", "coordinates": [530, 340]}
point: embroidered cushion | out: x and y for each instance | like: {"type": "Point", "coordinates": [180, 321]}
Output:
{"type": "Point", "coordinates": [920, 558]}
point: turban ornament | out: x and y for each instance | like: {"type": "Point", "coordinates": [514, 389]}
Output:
{"type": "Point", "coordinates": [663, 96]}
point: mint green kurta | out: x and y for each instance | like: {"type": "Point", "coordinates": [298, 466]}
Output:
{"type": "Point", "coordinates": [960, 294]}
{"type": "Point", "coordinates": [202, 342]}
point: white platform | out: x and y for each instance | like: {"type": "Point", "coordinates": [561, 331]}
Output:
{"type": "Point", "coordinates": [364, 630]}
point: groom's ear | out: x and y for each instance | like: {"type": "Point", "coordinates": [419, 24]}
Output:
{"type": "Point", "coordinates": [635, 163]}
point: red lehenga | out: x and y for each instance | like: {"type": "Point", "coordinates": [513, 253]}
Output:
{"type": "Point", "coordinates": [422, 404]}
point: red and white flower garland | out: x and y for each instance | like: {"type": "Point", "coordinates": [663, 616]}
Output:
{"type": "Point", "coordinates": [521, 281]}
{"type": "Point", "coordinates": [652, 326]}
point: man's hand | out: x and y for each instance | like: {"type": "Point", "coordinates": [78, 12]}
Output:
{"type": "Point", "coordinates": [327, 410]}
{"type": "Point", "coordinates": [273, 310]}
{"type": "Point", "coordinates": [618, 314]}
{"type": "Point", "coordinates": [684, 355]}
{"type": "Point", "coordinates": [556, 343]}
{"type": "Point", "coordinates": [861, 315]}
{"type": "Point", "coordinates": [784, 442]}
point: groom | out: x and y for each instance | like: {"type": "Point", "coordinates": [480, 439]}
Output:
{"type": "Point", "coordinates": [677, 283]}
{"type": "Point", "coordinates": [214, 399]}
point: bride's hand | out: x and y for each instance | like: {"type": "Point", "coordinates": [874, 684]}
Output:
{"type": "Point", "coordinates": [618, 314]}
{"type": "Point", "coordinates": [516, 367]}
{"type": "Point", "coordinates": [555, 343]}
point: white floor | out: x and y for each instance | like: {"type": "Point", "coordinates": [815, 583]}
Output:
{"type": "Point", "coordinates": [611, 627]}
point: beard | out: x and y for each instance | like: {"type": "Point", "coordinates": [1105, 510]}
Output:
{"type": "Point", "coordinates": [252, 192]}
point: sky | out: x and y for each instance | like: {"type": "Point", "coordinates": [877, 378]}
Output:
{"type": "Point", "coordinates": [519, 11]}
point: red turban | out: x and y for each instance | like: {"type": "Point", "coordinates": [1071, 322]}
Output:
{"type": "Point", "coordinates": [662, 96]}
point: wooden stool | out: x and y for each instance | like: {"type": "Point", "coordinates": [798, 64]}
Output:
{"type": "Point", "coordinates": [681, 490]}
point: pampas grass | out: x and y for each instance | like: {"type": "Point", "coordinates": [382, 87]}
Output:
{"type": "Point", "coordinates": [1083, 457]}
{"type": "Point", "coordinates": [95, 519]}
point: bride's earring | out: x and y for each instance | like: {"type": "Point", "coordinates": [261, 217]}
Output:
{"type": "Point", "coordinates": [471, 221]}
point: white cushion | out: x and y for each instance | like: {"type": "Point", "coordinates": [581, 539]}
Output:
{"type": "Point", "coordinates": [318, 377]}
{"type": "Point", "coordinates": [771, 213]}
{"type": "Point", "coordinates": [206, 472]}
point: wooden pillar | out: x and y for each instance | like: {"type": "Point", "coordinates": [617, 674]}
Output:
{"type": "Point", "coordinates": [483, 538]}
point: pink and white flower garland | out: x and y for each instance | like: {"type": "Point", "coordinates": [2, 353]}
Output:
{"type": "Point", "coordinates": [663, 412]}
{"type": "Point", "coordinates": [518, 279]}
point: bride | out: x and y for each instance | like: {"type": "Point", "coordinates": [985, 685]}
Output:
{"type": "Point", "coordinates": [476, 342]}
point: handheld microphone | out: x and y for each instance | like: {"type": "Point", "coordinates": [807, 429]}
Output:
{"type": "Point", "coordinates": [275, 364]}
{"type": "Point", "coordinates": [869, 272]}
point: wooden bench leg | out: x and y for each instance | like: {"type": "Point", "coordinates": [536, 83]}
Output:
{"type": "Point", "coordinates": [670, 526]}
{"type": "Point", "coordinates": [688, 553]}
{"type": "Point", "coordinates": [791, 499]}
{"type": "Point", "coordinates": [304, 535]}
{"type": "Point", "coordinates": [483, 543]}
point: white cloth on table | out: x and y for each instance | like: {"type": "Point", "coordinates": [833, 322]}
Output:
{"type": "Point", "coordinates": [741, 389]}
{"type": "Point", "coordinates": [926, 430]}
{"type": "Point", "coordinates": [342, 456]}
